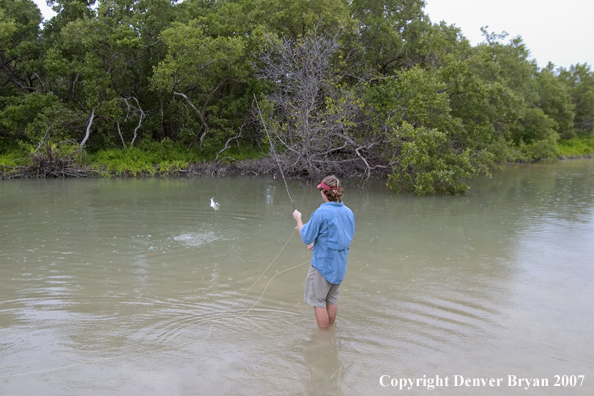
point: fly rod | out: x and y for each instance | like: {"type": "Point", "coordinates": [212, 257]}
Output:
{"type": "Point", "coordinates": [274, 152]}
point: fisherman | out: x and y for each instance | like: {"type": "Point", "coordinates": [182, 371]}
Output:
{"type": "Point", "coordinates": [329, 233]}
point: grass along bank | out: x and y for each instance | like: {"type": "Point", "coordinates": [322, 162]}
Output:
{"type": "Point", "coordinates": [165, 158]}
{"type": "Point", "coordinates": [149, 158]}
{"type": "Point", "coordinates": [576, 147]}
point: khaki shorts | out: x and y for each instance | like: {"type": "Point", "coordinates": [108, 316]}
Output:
{"type": "Point", "coordinates": [318, 291]}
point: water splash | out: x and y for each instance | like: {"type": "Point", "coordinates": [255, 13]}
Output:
{"type": "Point", "coordinates": [196, 239]}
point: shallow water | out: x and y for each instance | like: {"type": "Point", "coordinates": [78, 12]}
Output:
{"type": "Point", "coordinates": [138, 287]}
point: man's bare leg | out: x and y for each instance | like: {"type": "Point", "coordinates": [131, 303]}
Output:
{"type": "Point", "coordinates": [326, 316]}
{"type": "Point", "coordinates": [332, 309]}
{"type": "Point", "coordinates": [322, 317]}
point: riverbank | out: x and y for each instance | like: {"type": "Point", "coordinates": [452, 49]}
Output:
{"type": "Point", "coordinates": [166, 159]}
{"type": "Point", "coordinates": [150, 159]}
{"type": "Point", "coordinates": [66, 169]}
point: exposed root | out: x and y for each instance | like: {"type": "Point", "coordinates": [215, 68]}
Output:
{"type": "Point", "coordinates": [50, 166]}
{"type": "Point", "coordinates": [47, 165]}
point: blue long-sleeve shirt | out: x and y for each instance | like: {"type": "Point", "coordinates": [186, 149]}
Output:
{"type": "Point", "coordinates": [331, 228]}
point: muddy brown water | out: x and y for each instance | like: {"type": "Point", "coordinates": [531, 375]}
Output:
{"type": "Point", "coordinates": [111, 286]}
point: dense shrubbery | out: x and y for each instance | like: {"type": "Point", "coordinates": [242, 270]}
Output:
{"type": "Point", "coordinates": [358, 87]}
{"type": "Point", "coordinates": [579, 146]}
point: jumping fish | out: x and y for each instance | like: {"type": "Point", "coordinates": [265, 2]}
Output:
{"type": "Point", "coordinates": [214, 204]}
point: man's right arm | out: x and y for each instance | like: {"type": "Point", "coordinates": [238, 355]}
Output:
{"type": "Point", "coordinates": [297, 217]}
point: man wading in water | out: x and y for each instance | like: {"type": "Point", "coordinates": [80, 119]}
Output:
{"type": "Point", "coordinates": [329, 233]}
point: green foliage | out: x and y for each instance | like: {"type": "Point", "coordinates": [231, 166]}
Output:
{"type": "Point", "coordinates": [417, 114]}
{"type": "Point", "coordinates": [555, 101]}
{"type": "Point", "coordinates": [578, 146]}
{"type": "Point", "coordinates": [148, 86]}
{"type": "Point", "coordinates": [390, 36]}
{"type": "Point", "coordinates": [580, 80]}
{"type": "Point", "coordinates": [298, 18]}
{"type": "Point", "coordinates": [427, 164]}
{"type": "Point", "coordinates": [195, 59]}
{"type": "Point", "coordinates": [21, 111]}
{"type": "Point", "coordinates": [13, 154]}
{"type": "Point", "coordinates": [537, 137]}
{"type": "Point", "coordinates": [20, 48]}
{"type": "Point", "coordinates": [149, 158]}
{"type": "Point", "coordinates": [7, 29]}
{"type": "Point", "coordinates": [198, 69]}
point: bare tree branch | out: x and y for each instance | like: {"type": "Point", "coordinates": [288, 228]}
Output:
{"type": "Point", "coordinates": [140, 118]}
{"type": "Point", "coordinates": [88, 131]}
{"type": "Point", "coordinates": [228, 141]}
{"type": "Point", "coordinates": [200, 115]}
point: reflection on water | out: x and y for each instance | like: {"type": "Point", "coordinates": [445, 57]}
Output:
{"type": "Point", "coordinates": [325, 370]}
{"type": "Point", "coordinates": [138, 287]}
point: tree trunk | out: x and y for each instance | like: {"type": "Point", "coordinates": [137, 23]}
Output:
{"type": "Point", "coordinates": [88, 131]}
{"type": "Point", "coordinates": [200, 115]}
